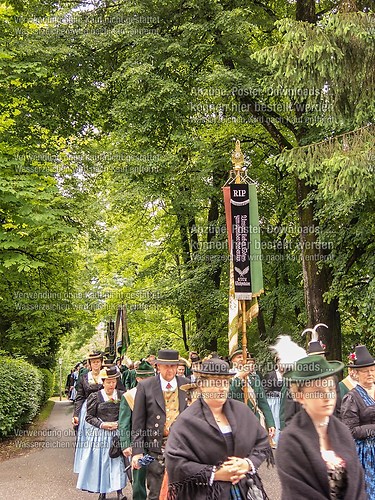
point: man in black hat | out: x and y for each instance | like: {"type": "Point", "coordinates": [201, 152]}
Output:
{"type": "Point", "coordinates": [158, 402]}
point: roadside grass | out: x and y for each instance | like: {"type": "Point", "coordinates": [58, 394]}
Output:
{"type": "Point", "coordinates": [26, 442]}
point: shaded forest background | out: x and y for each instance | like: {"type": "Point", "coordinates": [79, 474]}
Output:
{"type": "Point", "coordinates": [117, 121]}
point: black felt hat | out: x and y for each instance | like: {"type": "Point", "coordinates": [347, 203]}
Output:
{"type": "Point", "coordinates": [144, 370]}
{"type": "Point", "coordinates": [214, 367]}
{"type": "Point", "coordinates": [362, 357]}
{"type": "Point", "coordinates": [316, 347]}
{"type": "Point", "coordinates": [95, 355]}
{"type": "Point", "coordinates": [109, 372]}
{"type": "Point", "coordinates": [167, 357]}
{"type": "Point", "coordinates": [108, 363]}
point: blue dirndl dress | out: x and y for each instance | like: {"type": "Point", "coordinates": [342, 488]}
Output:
{"type": "Point", "coordinates": [366, 454]}
{"type": "Point", "coordinates": [85, 386]}
{"type": "Point", "coordinates": [366, 450]}
{"type": "Point", "coordinates": [81, 438]}
{"type": "Point", "coordinates": [98, 472]}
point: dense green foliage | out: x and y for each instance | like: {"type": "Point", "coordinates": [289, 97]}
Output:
{"type": "Point", "coordinates": [48, 384]}
{"type": "Point", "coordinates": [23, 390]}
{"type": "Point", "coordinates": [116, 128]}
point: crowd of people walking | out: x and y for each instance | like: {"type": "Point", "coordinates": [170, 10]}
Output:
{"type": "Point", "coordinates": [179, 429]}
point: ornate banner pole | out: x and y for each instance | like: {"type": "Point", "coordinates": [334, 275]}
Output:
{"type": "Point", "coordinates": [238, 163]}
{"type": "Point", "coordinates": [246, 279]}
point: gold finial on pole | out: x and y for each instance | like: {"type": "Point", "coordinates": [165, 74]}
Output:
{"type": "Point", "coordinates": [237, 160]}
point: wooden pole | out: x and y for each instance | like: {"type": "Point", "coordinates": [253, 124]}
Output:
{"type": "Point", "coordinates": [244, 349]}
{"type": "Point", "coordinates": [238, 162]}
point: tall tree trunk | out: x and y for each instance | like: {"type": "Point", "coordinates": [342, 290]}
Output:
{"type": "Point", "coordinates": [316, 277]}
{"type": "Point", "coordinates": [184, 330]}
{"type": "Point", "coordinates": [206, 318]}
{"type": "Point", "coordinates": [305, 10]}
{"type": "Point", "coordinates": [219, 176]}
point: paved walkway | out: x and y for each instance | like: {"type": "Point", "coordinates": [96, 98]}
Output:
{"type": "Point", "coordinates": [45, 472]}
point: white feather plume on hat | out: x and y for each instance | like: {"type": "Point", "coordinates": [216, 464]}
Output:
{"type": "Point", "coordinates": [287, 351]}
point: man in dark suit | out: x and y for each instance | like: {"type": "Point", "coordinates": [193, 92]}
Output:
{"type": "Point", "coordinates": [158, 402]}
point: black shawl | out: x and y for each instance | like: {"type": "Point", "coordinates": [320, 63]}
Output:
{"type": "Point", "coordinates": [196, 444]}
{"type": "Point", "coordinates": [84, 389]}
{"type": "Point", "coordinates": [357, 416]}
{"type": "Point", "coordinates": [302, 470]}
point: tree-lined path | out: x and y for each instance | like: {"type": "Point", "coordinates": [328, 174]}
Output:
{"type": "Point", "coordinates": [117, 122]}
{"type": "Point", "coordinates": [46, 473]}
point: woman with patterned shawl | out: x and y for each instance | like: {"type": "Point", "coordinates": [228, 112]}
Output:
{"type": "Point", "coordinates": [217, 444]}
{"type": "Point", "coordinates": [358, 413]}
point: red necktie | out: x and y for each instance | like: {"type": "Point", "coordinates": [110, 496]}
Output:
{"type": "Point", "coordinates": [169, 386]}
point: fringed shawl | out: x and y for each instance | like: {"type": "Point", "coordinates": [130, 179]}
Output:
{"type": "Point", "coordinates": [196, 444]}
{"type": "Point", "coordinates": [302, 470]}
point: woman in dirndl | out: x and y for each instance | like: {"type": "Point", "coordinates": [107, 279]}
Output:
{"type": "Point", "coordinates": [99, 473]}
{"type": "Point", "coordinates": [217, 444]}
{"type": "Point", "coordinates": [358, 413]}
{"type": "Point", "coordinates": [88, 383]}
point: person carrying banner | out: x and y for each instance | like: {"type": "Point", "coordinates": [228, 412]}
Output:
{"type": "Point", "coordinates": [257, 400]}
{"type": "Point", "coordinates": [272, 383]}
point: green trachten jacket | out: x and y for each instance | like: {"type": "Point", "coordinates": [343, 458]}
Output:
{"type": "Point", "coordinates": [236, 392]}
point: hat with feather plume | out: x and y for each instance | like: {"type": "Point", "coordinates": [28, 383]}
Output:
{"type": "Point", "coordinates": [287, 351]}
{"type": "Point", "coordinates": [315, 346]}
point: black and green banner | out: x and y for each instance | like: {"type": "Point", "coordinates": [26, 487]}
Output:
{"type": "Point", "coordinates": [240, 215]}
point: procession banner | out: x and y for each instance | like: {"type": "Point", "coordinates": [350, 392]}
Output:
{"type": "Point", "coordinates": [233, 303]}
{"type": "Point", "coordinates": [255, 259]}
{"type": "Point", "coordinates": [256, 268]}
{"type": "Point", "coordinates": [122, 340]}
{"type": "Point", "coordinates": [125, 337]}
{"type": "Point", "coordinates": [118, 330]}
{"type": "Point", "coordinates": [240, 249]}
{"type": "Point", "coordinates": [110, 349]}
